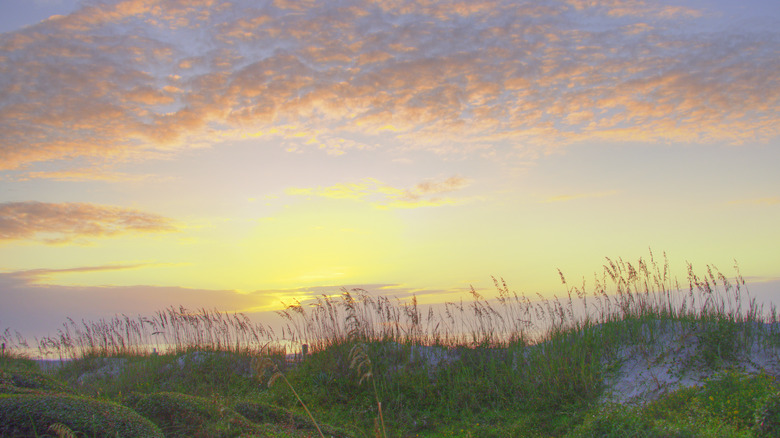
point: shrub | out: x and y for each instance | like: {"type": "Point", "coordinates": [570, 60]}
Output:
{"type": "Point", "coordinates": [27, 379]}
{"type": "Point", "coordinates": [767, 416]}
{"type": "Point", "coordinates": [31, 414]}
{"type": "Point", "coordinates": [672, 405]}
{"type": "Point", "coordinates": [614, 421]}
{"type": "Point", "coordinates": [734, 397]}
{"type": "Point", "coordinates": [264, 413]}
{"type": "Point", "coordinates": [181, 415]}
{"type": "Point", "coordinates": [720, 339]}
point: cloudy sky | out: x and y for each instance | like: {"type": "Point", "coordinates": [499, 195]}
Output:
{"type": "Point", "coordinates": [239, 154]}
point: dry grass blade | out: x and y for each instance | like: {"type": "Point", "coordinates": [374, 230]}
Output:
{"type": "Point", "coordinates": [274, 378]}
{"type": "Point", "coordinates": [362, 363]}
{"type": "Point", "coordinates": [262, 364]}
{"type": "Point", "coordinates": [62, 431]}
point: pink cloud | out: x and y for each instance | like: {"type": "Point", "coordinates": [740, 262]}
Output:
{"type": "Point", "coordinates": [441, 76]}
{"type": "Point", "coordinates": [65, 222]}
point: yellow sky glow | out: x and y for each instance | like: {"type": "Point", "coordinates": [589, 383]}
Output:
{"type": "Point", "coordinates": [238, 155]}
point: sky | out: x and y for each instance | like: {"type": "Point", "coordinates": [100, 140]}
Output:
{"type": "Point", "coordinates": [240, 155]}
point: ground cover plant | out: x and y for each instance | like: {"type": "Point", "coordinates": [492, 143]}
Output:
{"type": "Point", "coordinates": [638, 354]}
{"type": "Point", "coordinates": [30, 414]}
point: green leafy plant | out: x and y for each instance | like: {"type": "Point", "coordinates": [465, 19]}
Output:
{"type": "Point", "coordinates": [767, 417]}
{"type": "Point", "coordinates": [183, 415]}
{"type": "Point", "coordinates": [733, 397]}
{"type": "Point", "coordinates": [719, 340]}
{"type": "Point", "coordinates": [614, 421]}
{"type": "Point", "coordinates": [27, 413]}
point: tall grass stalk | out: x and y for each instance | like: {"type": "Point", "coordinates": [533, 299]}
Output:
{"type": "Point", "coordinates": [360, 361]}
{"type": "Point", "coordinates": [489, 339]}
{"type": "Point", "coordinates": [13, 344]}
{"type": "Point", "coordinates": [638, 291]}
{"type": "Point", "coordinates": [262, 363]}
{"type": "Point", "coordinates": [171, 330]}
{"type": "Point", "coordinates": [487, 351]}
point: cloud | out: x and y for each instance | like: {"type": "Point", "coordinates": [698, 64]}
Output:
{"type": "Point", "coordinates": [141, 79]}
{"type": "Point", "coordinates": [42, 275]}
{"type": "Point", "coordinates": [380, 195]}
{"type": "Point", "coordinates": [35, 307]}
{"type": "Point", "coordinates": [448, 185]}
{"type": "Point", "coordinates": [61, 223]}
{"type": "Point", "coordinates": [639, 8]}
{"type": "Point", "coordinates": [29, 306]}
{"type": "Point", "coordinates": [85, 174]}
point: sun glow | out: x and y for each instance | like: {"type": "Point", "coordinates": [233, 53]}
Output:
{"type": "Point", "coordinates": [282, 150]}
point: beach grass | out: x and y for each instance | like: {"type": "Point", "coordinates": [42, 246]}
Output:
{"type": "Point", "coordinates": [493, 364]}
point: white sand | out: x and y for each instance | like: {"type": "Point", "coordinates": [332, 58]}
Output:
{"type": "Point", "coordinates": [669, 357]}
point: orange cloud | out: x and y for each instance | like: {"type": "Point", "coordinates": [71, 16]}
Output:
{"type": "Point", "coordinates": [85, 174]}
{"type": "Point", "coordinates": [62, 223]}
{"type": "Point", "coordinates": [427, 188]}
{"type": "Point", "coordinates": [43, 275]}
{"type": "Point", "coordinates": [621, 8]}
{"type": "Point", "coordinates": [445, 75]}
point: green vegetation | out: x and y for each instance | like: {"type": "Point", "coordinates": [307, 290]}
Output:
{"type": "Point", "coordinates": [181, 415]}
{"type": "Point", "coordinates": [639, 355]}
{"type": "Point", "coordinates": [28, 414]}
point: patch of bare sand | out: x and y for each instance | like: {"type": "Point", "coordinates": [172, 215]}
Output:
{"type": "Point", "coordinates": [669, 355]}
